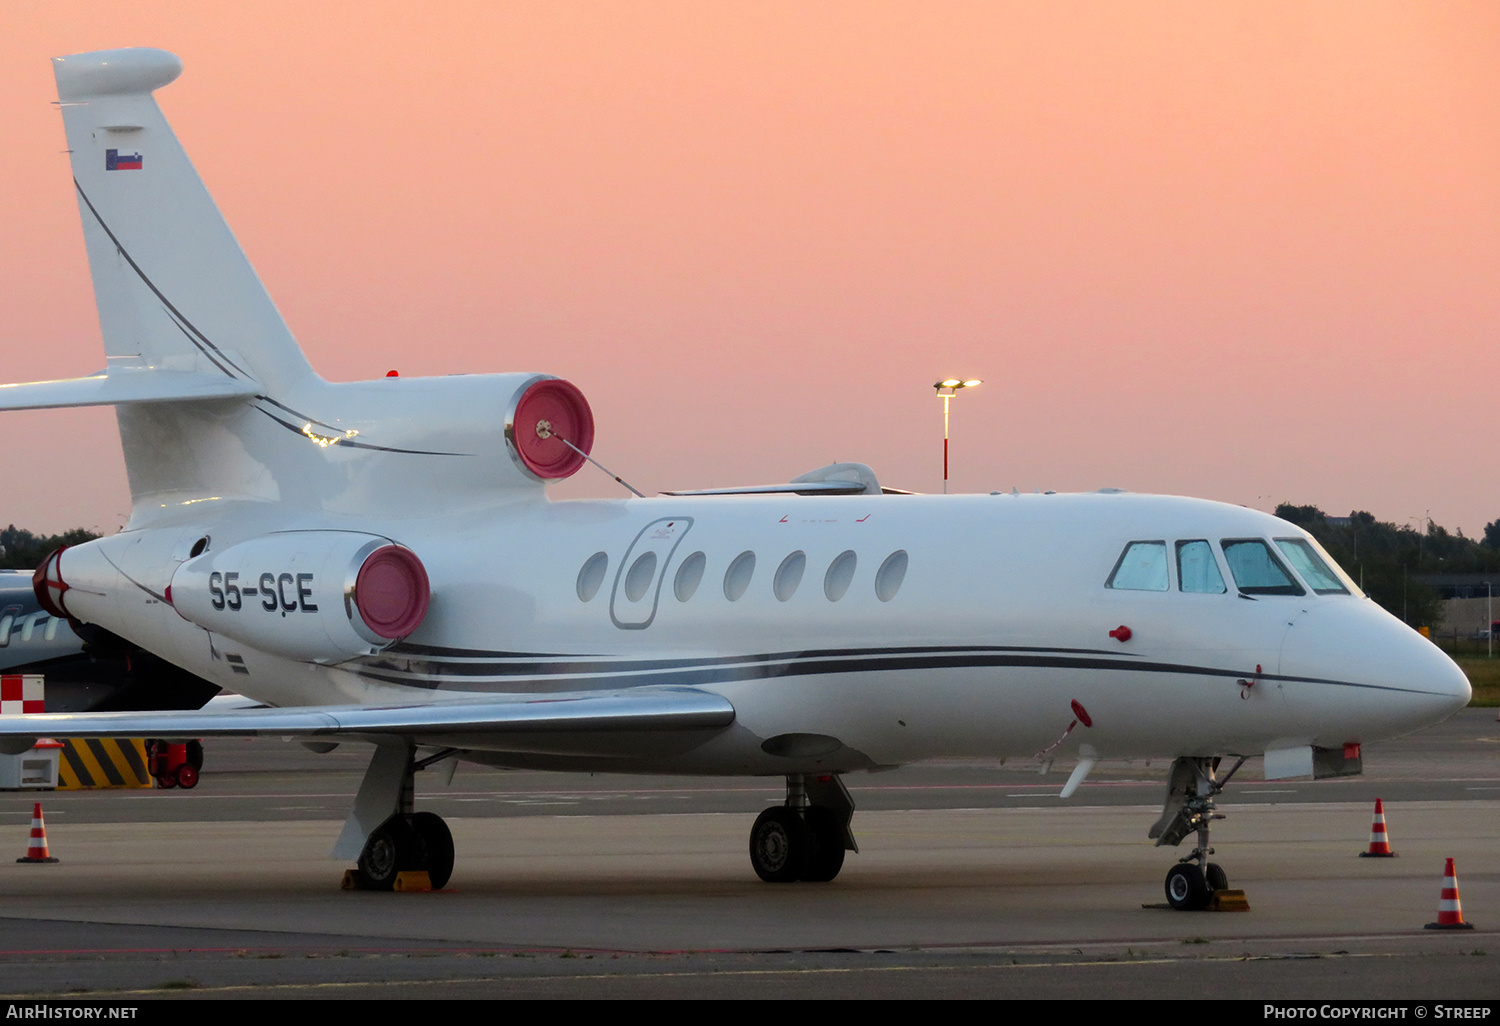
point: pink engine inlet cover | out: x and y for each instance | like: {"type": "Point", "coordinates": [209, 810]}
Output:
{"type": "Point", "coordinates": [391, 591]}
{"type": "Point", "coordinates": [559, 409]}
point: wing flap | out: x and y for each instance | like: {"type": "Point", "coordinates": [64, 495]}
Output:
{"type": "Point", "coordinates": [649, 708]}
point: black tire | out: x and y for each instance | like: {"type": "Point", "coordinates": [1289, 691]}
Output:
{"type": "Point", "coordinates": [826, 833]}
{"type": "Point", "coordinates": [195, 755]}
{"type": "Point", "coordinates": [1218, 880]}
{"type": "Point", "coordinates": [388, 850]}
{"type": "Point", "coordinates": [779, 845]}
{"type": "Point", "coordinates": [1187, 891]}
{"type": "Point", "coordinates": [435, 844]}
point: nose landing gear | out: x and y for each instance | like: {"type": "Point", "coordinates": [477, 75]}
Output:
{"type": "Point", "coordinates": [1191, 789]}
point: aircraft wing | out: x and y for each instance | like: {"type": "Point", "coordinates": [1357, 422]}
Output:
{"type": "Point", "coordinates": [647, 708]}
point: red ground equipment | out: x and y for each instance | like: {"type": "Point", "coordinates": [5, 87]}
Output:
{"type": "Point", "coordinates": [174, 765]}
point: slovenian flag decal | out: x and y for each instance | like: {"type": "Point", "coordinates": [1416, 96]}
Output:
{"type": "Point", "coordinates": [114, 160]}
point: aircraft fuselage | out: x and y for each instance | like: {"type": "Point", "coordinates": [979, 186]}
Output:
{"type": "Point", "coordinates": [959, 626]}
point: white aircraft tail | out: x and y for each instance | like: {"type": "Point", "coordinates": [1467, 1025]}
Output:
{"type": "Point", "coordinates": [215, 400]}
{"type": "Point", "coordinates": [174, 289]}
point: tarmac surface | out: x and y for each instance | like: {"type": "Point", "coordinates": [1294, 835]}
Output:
{"type": "Point", "coordinates": [973, 880]}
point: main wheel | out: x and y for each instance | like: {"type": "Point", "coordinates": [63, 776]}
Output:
{"type": "Point", "coordinates": [779, 845]}
{"type": "Point", "coordinates": [1187, 891]}
{"type": "Point", "coordinates": [435, 844]}
{"type": "Point", "coordinates": [389, 850]}
{"type": "Point", "coordinates": [1217, 879]}
{"type": "Point", "coordinates": [827, 855]}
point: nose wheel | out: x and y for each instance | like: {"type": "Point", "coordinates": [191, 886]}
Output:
{"type": "Point", "coordinates": [1191, 886]}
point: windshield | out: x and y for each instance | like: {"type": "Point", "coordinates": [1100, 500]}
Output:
{"type": "Point", "coordinates": [1313, 570]}
{"type": "Point", "coordinates": [1256, 571]}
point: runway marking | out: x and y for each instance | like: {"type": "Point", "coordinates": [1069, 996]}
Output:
{"type": "Point", "coordinates": [196, 990]}
{"type": "Point", "coordinates": [1291, 791]}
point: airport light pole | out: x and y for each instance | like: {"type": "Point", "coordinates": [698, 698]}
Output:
{"type": "Point", "coordinates": [946, 390]}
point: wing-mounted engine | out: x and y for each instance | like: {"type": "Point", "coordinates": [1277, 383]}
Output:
{"type": "Point", "coordinates": [314, 596]}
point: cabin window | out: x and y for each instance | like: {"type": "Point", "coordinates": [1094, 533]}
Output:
{"type": "Point", "coordinates": [642, 571]}
{"type": "Point", "coordinates": [592, 576]}
{"type": "Point", "coordinates": [1256, 571]}
{"type": "Point", "coordinates": [689, 576]}
{"type": "Point", "coordinates": [737, 577]}
{"type": "Point", "coordinates": [6, 623]}
{"type": "Point", "coordinates": [1142, 567]}
{"type": "Point", "coordinates": [1313, 570]}
{"type": "Point", "coordinates": [1197, 570]}
{"type": "Point", "coordinates": [840, 575]}
{"type": "Point", "coordinates": [789, 575]}
{"type": "Point", "coordinates": [890, 575]}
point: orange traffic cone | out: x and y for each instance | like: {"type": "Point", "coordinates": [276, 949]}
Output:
{"type": "Point", "coordinates": [1380, 845]}
{"type": "Point", "coordinates": [1450, 912]}
{"type": "Point", "coordinates": [37, 850]}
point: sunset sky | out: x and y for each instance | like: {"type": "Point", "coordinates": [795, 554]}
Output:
{"type": "Point", "coordinates": [1246, 251]}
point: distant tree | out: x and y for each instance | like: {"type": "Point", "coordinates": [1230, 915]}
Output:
{"type": "Point", "coordinates": [1305, 517]}
{"type": "Point", "coordinates": [22, 550]}
{"type": "Point", "coordinates": [1491, 535]}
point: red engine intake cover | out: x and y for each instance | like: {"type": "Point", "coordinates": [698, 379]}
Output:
{"type": "Point", "coordinates": [391, 592]}
{"type": "Point", "coordinates": [47, 584]}
{"type": "Point", "coordinates": [546, 413]}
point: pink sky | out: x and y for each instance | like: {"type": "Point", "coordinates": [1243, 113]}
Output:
{"type": "Point", "coordinates": [1242, 251]}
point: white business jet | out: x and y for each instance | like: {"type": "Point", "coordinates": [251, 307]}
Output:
{"type": "Point", "coordinates": [378, 561]}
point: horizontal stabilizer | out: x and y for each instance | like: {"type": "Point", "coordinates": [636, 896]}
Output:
{"type": "Point", "coordinates": [117, 387]}
{"type": "Point", "coordinates": [643, 708]}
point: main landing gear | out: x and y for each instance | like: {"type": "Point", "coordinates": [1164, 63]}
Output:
{"type": "Point", "coordinates": [386, 832]}
{"type": "Point", "coordinates": [1191, 789]}
{"type": "Point", "coordinates": [805, 838]}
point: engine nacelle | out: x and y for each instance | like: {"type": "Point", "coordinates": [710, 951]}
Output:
{"type": "Point", "coordinates": [315, 596]}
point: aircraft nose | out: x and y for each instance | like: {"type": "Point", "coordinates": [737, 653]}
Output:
{"type": "Point", "coordinates": [1367, 675]}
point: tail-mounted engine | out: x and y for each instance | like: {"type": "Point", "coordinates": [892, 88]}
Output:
{"type": "Point", "coordinates": [315, 596]}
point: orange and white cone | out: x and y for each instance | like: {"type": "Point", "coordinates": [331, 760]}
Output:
{"type": "Point", "coordinates": [36, 851]}
{"type": "Point", "coordinates": [1380, 844]}
{"type": "Point", "coordinates": [1450, 912]}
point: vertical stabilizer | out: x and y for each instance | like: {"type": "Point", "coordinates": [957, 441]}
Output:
{"type": "Point", "coordinates": [174, 289]}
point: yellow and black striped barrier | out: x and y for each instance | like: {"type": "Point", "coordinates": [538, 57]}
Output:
{"type": "Point", "coordinates": [91, 762]}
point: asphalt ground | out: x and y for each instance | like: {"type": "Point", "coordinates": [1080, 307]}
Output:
{"type": "Point", "coordinates": [973, 880]}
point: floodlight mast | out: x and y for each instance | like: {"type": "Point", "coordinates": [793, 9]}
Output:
{"type": "Point", "coordinates": [946, 390]}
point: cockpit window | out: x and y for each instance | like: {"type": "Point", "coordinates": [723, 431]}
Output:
{"type": "Point", "coordinates": [1313, 570]}
{"type": "Point", "coordinates": [1142, 567]}
{"type": "Point", "coordinates": [1256, 571]}
{"type": "Point", "coordinates": [1197, 570]}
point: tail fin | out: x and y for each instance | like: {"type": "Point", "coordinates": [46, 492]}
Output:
{"type": "Point", "coordinates": [215, 401]}
{"type": "Point", "coordinates": [174, 289]}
